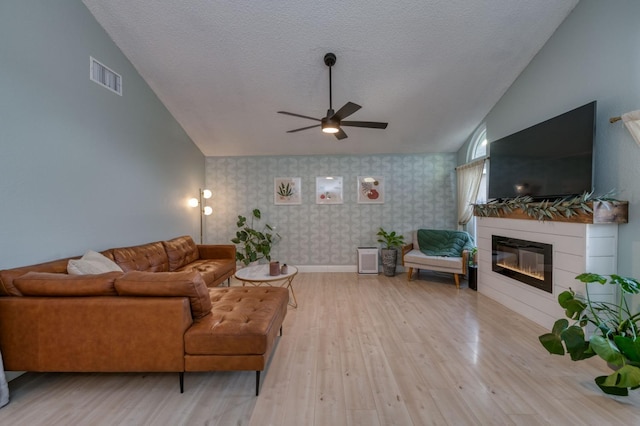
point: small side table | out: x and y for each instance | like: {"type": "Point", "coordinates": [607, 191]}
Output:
{"type": "Point", "coordinates": [258, 275]}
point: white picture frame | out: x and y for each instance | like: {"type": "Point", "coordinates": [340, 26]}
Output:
{"type": "Point", "coordinates": [287, 191]}
{"type": "Point", "coordinates": [329, 190]}
{"type": "Point", "coordinates": [370, 189]}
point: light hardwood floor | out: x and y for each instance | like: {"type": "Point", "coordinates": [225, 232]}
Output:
{"type": "Point", "coordinates": [367, 350]}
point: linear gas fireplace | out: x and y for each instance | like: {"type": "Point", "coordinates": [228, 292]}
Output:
{"type": "Point", "coordinates": [526, 261]}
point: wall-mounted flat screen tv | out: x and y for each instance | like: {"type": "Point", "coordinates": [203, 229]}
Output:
{"type": "Point", "coordinates": [551, 159]}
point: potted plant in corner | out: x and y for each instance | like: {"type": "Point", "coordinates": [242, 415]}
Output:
{"type": "Point", "coordinates": [389, 252]}
{"type": "Point", "coordinates": [472, 276]}
{"type": "Point", "coordinates": [615, 332]}
{"type": "Point", "coordinates": [252, 244]}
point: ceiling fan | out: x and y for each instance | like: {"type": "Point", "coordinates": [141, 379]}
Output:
{"type": "Point", "coordinates": [334, 120]}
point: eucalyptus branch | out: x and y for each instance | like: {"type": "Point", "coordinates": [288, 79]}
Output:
{"type": "Point", "coordinates": [546, 209]}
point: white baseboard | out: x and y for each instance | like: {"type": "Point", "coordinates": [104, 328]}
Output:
{"type": "Point", "coordinates": [335, 268]}
{"type": "Point", "coordinates": [327, 268]}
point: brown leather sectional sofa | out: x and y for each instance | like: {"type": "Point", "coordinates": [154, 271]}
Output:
{"type": "Point", "coordinates": [160, 315]}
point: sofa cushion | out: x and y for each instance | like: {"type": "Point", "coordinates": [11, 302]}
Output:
{"type": "Point", "coordinates": [54, 284]}
{"type": "Point", "coordinates": [146, 257]}
{"type": "Point", "coordinates": [211, 269]}
{"type": "Point", "coordinates": [181, 251]}
{"type": "Point", "coordinates": [437, 242]}
{"type": "Point", "coordinates": [417, 257]}
{"type": "Point", "coordinates": [241, 322]}
{"type": "Point", "coordinates": [8, 275]}
{"type": "Point", "coordinates": [92, 263]}
{"type": "Point", "coordinates": [168, 284]}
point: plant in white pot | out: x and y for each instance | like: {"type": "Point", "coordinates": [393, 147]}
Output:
{"type": "Point", "coordinates": [389, 252]}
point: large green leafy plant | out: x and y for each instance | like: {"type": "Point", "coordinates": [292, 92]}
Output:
{"type": "Point", "coordinates": [615, 336]}
{"type": "Point", "coordinates": [252, 244]}
{"type": "Point", "coordinates": [390, 239]}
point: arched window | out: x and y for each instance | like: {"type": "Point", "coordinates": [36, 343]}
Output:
{"type": "Point", "coordinates": [478, 145]}
{"type": "Point", "coordinates": [478, 149]}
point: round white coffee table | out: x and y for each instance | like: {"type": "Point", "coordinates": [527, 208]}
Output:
{"type": "Point", "coordinates": [259, 275]}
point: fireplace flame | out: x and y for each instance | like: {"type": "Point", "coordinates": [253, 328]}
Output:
{"type": "Point", "coordinates": [534, 273]}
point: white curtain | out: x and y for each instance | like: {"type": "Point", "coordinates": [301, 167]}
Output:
{"type": "Point", "coordinates": [469, 176]}
{"type": "Point", "coordinates": [4, 388]}
{"type": "Point", "coordinates": [632, 121]}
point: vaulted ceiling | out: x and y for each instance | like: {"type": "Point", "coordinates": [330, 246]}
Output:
{"type": "Point", "coordinates": [432, 69]}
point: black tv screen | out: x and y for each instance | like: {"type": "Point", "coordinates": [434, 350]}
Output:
{"type": "Point", "coordinates": [549, 160]}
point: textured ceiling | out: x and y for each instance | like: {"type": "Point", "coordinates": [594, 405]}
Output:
{"type": "Point", "coordinates": [431, 68]}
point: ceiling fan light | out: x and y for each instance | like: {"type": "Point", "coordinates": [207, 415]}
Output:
{"type": "Point", "coordinates": [330, 126]}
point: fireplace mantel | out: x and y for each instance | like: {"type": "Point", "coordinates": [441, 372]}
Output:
{"type": "Point", "coordinates": [603, 212]}
{"type": "Point", "coordinates": [576, 248]}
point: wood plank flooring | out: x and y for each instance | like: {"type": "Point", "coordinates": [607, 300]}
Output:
{"type": "Point", "coordinates": [359, 350]}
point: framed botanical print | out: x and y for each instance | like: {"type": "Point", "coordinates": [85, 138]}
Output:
{"type": "Point", "coordinates": [287, 190]}
{"type": "Point", "coordinates": [370, 189]}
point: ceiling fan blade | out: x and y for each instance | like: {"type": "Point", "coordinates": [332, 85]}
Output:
{"type": "Point", "coordinates": [340, 135]}
{"type": "Point", "coordinates": [370, 124]}
{"type": "Point", "coordinates": [348, 109]}
{"type": "Point", "coordinates": [298, 115]}
{"type": "Point", "coordinates": [303, 128]}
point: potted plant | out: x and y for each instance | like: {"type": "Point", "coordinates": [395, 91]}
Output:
{"type": "Point", "coordinates": [253, 245]}
{"type": "Point", "coordinates": [472, 276]}
{"type": "Point", "coordinates": [389, 252]}
{"type": "Point", "coordinates": [615, 332]}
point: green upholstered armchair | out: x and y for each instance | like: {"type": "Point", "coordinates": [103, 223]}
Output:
{"type": "Point", "coordinates": [438, 250]}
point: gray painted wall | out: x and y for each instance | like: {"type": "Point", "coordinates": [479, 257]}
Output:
{"type": "Point", "coordinates": [82, 168]}
{"type": "Point", "coordinates": [594, 55]}
{"type": "Point", "coordinates": [419, 192]}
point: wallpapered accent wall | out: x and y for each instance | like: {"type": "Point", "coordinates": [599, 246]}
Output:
{"type": "Point", "coordinates": [419, 193]}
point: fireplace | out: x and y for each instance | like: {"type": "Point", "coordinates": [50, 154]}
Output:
{"type": "Point", "coordinates": [526, 261]}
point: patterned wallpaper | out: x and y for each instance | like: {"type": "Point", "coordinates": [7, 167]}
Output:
{"type": "Point", "coordinates": [419, 192]}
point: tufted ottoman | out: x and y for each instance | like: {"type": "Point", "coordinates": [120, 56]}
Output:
{"type": "Point", "coordinates": [240, 333]}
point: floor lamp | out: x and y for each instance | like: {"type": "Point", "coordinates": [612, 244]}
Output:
{"type": "Point", "coordinates": [205, 210]}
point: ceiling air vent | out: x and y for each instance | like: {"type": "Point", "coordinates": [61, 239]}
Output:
{"type": "Point", "coordinates": [105, 76]}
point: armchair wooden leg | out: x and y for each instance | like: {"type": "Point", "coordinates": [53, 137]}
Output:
{"type": "Point", "coordinates": [409, 272]}
{"type": "Point", "coordinates": [457, 278]}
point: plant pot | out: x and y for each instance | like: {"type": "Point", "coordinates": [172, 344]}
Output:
{"type": "Point", "coordinates": [473, 277]}
{"type": "Point", "coordinates": [389, 259]}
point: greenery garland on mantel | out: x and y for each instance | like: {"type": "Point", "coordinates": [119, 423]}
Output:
{"type": "Point", "coordinates": [561, 208]}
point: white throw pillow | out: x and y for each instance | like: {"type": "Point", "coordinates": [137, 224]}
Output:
{"type": "Point", "coordinates": [92, 263]}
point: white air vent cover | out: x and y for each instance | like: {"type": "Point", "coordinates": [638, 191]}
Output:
{"type": "Point", "coordinates": [105, 76]}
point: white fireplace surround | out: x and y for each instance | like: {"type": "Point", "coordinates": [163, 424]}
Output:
{"type": "Point", "coordinates": [577, 248]}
